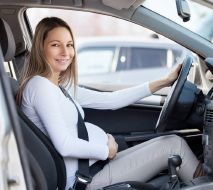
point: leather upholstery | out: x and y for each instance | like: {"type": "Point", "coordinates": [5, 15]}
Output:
{"type": "Point", "coordinates": [7, 41]}
{"type": "Point", "coordinates": [45, 141]}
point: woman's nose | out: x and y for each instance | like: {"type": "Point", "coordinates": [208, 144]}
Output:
{"type": "Point", "coordinates": [64, 51]}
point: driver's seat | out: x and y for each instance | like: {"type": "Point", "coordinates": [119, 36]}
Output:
{"type": "Point", "coordinates": [47, 165]}
{"type": "Point", "coordinates": [154, 184]}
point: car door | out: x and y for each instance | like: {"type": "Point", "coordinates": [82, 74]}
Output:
{"type": "Point", "coordinates": [135, 123]}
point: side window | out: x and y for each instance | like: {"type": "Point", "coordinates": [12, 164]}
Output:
{"type": "Point", "coordinates": [96, 60]}
{"type": "Point", "coordinates": [148, 58]}
{"type": "Point", "coordinates": [112, 50]}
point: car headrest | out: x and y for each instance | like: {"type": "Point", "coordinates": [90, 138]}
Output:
{"type": "Point", "coordinates": [7, 41]}
{"type": "Point", "coordinates": [14, 85]}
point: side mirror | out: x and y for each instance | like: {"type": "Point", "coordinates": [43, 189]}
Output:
{"type": "Point", "coordinates": [183, 10]}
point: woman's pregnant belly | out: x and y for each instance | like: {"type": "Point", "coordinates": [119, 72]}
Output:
{"type": "Point", "coordinates": [96, 135]}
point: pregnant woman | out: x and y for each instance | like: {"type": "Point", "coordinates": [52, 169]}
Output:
{"type": "Point", "coordinates": [53, 64]}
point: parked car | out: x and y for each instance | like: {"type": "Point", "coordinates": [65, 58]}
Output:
{"type": "Point", "coordinates": [127, 60]}
{"type": "Point", "coordinates": [29, 161]}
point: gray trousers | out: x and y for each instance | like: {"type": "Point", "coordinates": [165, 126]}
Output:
{"type": "Point", "coordinates": [146, 160]}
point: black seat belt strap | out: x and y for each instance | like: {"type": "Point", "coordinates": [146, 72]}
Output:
{"type": "Point", "coordinates": [83, 174]}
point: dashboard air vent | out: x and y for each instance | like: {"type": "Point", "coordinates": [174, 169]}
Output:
{"type": "Point", "coordinates": [209, 116]}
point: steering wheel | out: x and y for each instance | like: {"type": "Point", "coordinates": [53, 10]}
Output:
{"type": "Point", "coordinates": [173, 95]}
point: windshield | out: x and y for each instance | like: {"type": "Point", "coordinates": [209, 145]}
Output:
{"type": "Point", "coordinates": [201, 21]}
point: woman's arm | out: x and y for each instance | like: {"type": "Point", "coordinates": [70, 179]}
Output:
{"type": "Point", "coordinates": [45, 101]}
{"type": "Point", "coordinates": [111, 100]}
{"type": "Point", "coordinates": [121, 98]}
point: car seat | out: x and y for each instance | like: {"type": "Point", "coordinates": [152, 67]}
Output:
{"type": "Point", "coordinates": [46, 164]}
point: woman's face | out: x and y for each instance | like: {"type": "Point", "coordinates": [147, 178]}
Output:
{"type": "Point", "coordinates": [58, 49]}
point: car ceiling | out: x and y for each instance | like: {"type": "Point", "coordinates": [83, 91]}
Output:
{"type": "Point", "coordinates": [10, 11]}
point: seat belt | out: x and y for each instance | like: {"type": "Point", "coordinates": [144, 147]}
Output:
{"type": "Point", "coordinates": [84, 174]}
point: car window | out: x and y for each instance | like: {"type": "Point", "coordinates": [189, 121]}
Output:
{"type": "Point", "coordinates": [112, 50]}
{"type": "Point", "coordinates": [148, 58]}
{"type": "Point", "coordinates": [95, 60]}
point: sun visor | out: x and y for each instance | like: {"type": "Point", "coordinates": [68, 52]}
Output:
{"type": "Point", "coordinates": [122, 4]}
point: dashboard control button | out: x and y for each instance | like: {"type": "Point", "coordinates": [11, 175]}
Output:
{"type": "Point", "coordinates": [200, 109]}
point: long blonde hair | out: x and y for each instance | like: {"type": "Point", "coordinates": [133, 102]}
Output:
{"type": "Point", "coordinates": [37, 63]}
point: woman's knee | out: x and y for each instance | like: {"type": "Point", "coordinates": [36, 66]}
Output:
{"type": "Point", "coordinates": [174, 141]}
{"type": "Point", "coordinates": [173, 138]}
{"type": "Point", "coordinates": [178, 144]}
{"type": "Point", "coordinates": [179, 140]}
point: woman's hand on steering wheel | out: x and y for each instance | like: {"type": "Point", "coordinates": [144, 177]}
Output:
{"type": "Point", "coordinates": [113, 147]}
{"type": "Point", "coordinates": [172, 75]}
{"type": "Point", "coordinates": [174, 93]}
{"type": "Point", "coordinates": [166, 81]}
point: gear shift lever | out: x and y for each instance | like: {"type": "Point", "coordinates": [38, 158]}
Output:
{"type": "Point", "coordinates": [174, 162]}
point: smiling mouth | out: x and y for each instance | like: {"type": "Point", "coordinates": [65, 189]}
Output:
{"type": "Point", "coordinates": [62, 60]}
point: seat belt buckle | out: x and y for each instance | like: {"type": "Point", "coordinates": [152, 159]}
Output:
{"type": "Point", "coordinates": [81, 181]}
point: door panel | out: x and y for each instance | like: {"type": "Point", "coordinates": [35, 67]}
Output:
{"type": "Point", "coordinates": [124, 120]}
{"type": "Point", "coordinates": [134, 118]}
{"type": "Point", "coordinates": [135, 123]}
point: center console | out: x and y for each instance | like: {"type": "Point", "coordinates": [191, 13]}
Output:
{"type": "Point", "coordinates": [205, 107]}
{"type": "Point", "coordinates": [207, 139]}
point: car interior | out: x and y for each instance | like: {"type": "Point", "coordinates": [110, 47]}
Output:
{"type": "Point", "coordinates": [186, 111]}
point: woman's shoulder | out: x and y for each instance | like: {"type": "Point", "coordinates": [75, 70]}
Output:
{"type": "Point", "coordinates": [39, 88]}
{"type": "Point", "coordinates": [39, 84]}
{"type": "Point", "coordinates": [35, 80]}
{"type": "Point", "coordinates": [39, 81]}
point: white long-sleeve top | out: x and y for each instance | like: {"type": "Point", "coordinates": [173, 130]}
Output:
{"type": "Point", "coordinates": [57, 117]}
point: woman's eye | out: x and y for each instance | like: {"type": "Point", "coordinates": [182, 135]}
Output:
{"type": "Point", "coordinates": [55, 45]}
{"type": "Point", "coordinates": [69, 45]}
